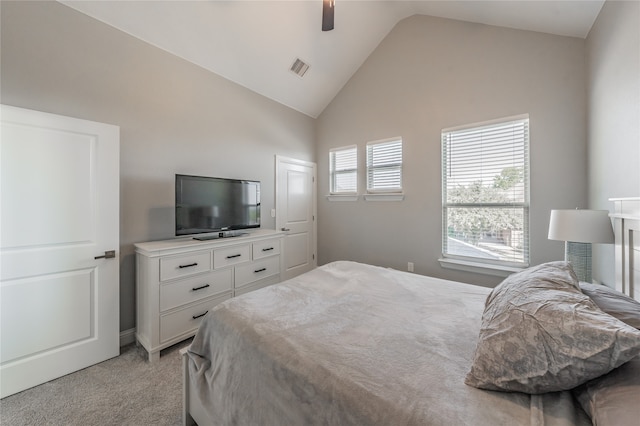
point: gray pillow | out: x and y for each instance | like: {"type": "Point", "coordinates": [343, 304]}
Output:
{"type": "Point", "coordinates": [614, 303]}
{"type": "Point", "coordinates": [613, 399]}
{"type": "Point", "coordinates": [539, 334]}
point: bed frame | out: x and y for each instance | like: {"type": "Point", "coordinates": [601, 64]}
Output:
{"type": "Point", "coordinates": [193, 411]}
{"type": "Point", "coordinates": [626, 225]}
{"type": "Point", "coordinates": [626, 221]}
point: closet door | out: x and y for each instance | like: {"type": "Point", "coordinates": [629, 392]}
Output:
{"type": "Point", "coordinates": [296, 214]}
{"type": "Point", "coordinates": [59, 244]}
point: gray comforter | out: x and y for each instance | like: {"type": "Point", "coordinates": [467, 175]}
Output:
{"type": "Point", "coordinates": [354, 344]}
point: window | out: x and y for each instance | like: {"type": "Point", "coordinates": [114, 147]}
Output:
{"type": "Point", "coordinates": [343, 170]}
{"type": "Point", "coordinates": [384, 166]}
{"type": "Point", "coordinates": [485, 192]}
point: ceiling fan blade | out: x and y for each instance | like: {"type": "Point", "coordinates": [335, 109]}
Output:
{"type": "Point", "coordinates": [328, 7]}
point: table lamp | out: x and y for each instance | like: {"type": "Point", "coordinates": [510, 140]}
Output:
{"type": "Point", "coordinates": [579, 229]}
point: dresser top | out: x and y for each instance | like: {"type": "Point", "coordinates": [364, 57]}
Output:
{"type": "Point", "coordinates": [182, 244]}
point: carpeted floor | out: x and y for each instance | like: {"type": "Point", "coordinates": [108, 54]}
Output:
{"type": "Point", "coordinates": [126, 390]}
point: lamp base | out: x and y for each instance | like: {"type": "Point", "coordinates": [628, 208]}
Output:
{"type": "Point", "coordinates": [579, 254]}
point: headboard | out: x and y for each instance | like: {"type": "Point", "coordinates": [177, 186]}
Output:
{"type": "Point", "coordinates": [626, 225]}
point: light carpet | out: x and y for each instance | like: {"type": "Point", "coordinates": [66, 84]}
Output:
{"type": "Point", "coordinates": [126, 390]}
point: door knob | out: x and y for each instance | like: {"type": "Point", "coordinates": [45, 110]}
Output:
{"type": "Point", "coordinates": [285, 229]}
{"type": "Point", "coordinates": [109, 254]}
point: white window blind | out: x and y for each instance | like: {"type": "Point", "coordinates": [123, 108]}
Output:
{"type": "Point", "coordinates": [485, 188]}
{"type": "Point", "coordinates": [343, 170]}
{"type": "Point", "coordinates": [384, 166]}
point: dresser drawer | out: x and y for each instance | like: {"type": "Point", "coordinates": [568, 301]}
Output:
{"type": "Point", "coordinates": [187, 319]}
{"type": "Point", "coordinates": [185, 265]}
{"type": "Point", "coordinates": [266, 248]}
{"type": "Point", "coordinates": [258, 270]}
{"type": "Point", "coordinates": [188, 290]}
{"type": "Point", "coordinates": [274, 279]}
{"type": "Point", "coordinates": [231, 255]}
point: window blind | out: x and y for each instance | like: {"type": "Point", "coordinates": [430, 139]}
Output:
{"type": "Point", "coordinates": [384, 166]}
{"type": "Point", "coordinates": [486, 192]}
{"type": "Point", "coordinates": [343, 170]}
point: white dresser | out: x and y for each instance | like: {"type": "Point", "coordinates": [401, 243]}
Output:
{"type": "Point", "coordinates": [179, 280]}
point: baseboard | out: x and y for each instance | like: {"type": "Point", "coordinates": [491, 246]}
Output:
{"type": "Point", "coordinates": [127, 336]}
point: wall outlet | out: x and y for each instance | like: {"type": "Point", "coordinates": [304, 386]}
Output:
{"type": "Point", "coordinates": [410, 266]}
{"type": "Point", "coordinates": [273, 212]}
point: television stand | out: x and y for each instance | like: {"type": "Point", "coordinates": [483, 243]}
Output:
{"type": "Point", "coordinates": [223, 234]}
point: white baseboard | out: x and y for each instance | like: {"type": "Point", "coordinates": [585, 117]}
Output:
{"type": "Point", "coordinates": [127, 336]}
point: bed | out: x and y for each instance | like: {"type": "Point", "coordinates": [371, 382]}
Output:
{"type": "Point", "coordinates": [356, 344]}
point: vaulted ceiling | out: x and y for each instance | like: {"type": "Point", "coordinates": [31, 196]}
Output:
{"type": "Point", "coordinates": [255, 43]}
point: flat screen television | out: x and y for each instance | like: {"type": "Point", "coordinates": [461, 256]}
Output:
{"type": "Point", "coordinates": [207, 205]}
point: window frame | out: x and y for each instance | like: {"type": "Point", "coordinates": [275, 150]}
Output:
{"type": "Point", "coordinates": [332, 171]}
{"type": "Point", "coordinates": [370, 168]}
{"type": "Point", "coordinates": [473, 263]}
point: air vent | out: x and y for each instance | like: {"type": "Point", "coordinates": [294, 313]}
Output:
{"type": "Point", "coordinates": [299, 67]}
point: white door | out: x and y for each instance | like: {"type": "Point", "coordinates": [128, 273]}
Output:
{"type": "Point", "coordinates": [296, 214]}
{"type": "Point", "coordinates": [59, 212]}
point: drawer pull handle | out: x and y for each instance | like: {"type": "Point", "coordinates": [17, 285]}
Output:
{"type": "Point", "coordinates": [198, 316]}
{"type": "Point", "coordinates": [231, 256]}
{"type": "Point", "coordinates": [188, 266]}
{"type": "Point", "coordinates": [201, 287]}
{"type": "Point", "coordinates": [260, 270]}
{"type": "Point", "coordinates": [267, 249]}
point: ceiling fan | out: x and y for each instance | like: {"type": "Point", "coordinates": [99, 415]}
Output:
{"type": "Point", "coordinates": [328, 7]}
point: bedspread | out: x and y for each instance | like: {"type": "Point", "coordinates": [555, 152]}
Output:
{"type": "Point", "coordinates": [355, 344]}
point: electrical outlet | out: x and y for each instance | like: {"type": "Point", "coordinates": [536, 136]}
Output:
{"type": "Point", "coordinates": [410, 266]}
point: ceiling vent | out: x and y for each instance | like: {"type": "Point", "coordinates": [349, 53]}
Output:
{"type": "Point", "coordinates": [299, 67]}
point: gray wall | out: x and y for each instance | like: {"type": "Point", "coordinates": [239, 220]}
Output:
{"type": "Point", "coordinates": [174, 117]}
{"type": "Point", "coordinates": [613, 52]}
{"type": "Point", "coordinates": [428, 74]}
{"type": "Point", "coordinates": [432, 73]}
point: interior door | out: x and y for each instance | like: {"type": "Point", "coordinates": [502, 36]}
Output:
{"type": "Point", "coordinates": [59, 216]}
{"type": "Point", "coordinates": [296, 214]}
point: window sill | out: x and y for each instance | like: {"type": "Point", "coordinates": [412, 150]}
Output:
{"type": "Point", "coordinates": [336, 197]}
{"type": "Point", "coordinates": [384, 197]}
{"type": "Point", "coordinates": [478, 268]}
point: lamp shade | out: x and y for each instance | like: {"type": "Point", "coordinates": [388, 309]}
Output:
{"type": "Point", "coordinates": [581, 226]}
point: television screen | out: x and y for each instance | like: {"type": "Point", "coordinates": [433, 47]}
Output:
{"type": "Point", "coordinates": [210, 204]}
